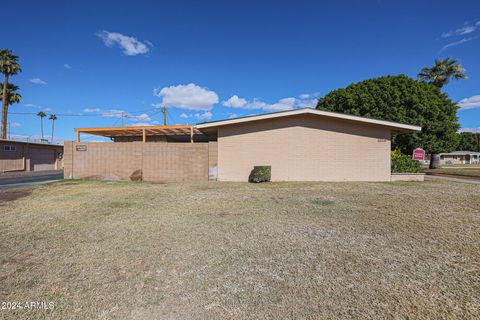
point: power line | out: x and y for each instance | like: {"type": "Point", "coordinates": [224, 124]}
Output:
{"type": "Point", "coordinates": [107, 114]}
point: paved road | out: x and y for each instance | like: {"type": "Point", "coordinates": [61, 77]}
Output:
{"type": "Point", "coordinates": [18, 179]}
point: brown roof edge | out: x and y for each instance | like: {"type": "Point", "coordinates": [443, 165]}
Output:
{"type": "Point", "coordinates": [396, 126]}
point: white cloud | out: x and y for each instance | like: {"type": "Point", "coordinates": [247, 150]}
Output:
{"type": "Point", "coordinates": [465, 29]}
{"type": "Point", "coordinates": [305, 100]}
{"type": "Point", "coordinates": [31, 105]}
{"type": "Point", "coordinates": [142, 117]}
{"type": "Point", "coordinates": [474, 130]}
{"type": "Point", "coordinates": [189, 97]}
{"type": "Point", "coordinates": [281, 105]}
{"type": "Point", "coordinates": [235, 102]}
{"type": "Point", "coordinates": [204, 116]}
{"type": "Point", "coordinates": [129, 45]}
{"type": "Point", "coordinates": [456, 43]}
{"type": "Point", "coordinates": [470, 103]}
{"type": "Point", "coordinates": [91, 110]}
{"type": "Point", "coordinates": [152, 123]}
{"type": "Point", "coordinates": [37, 81]}
{"type": "Point", "coordinates": [15, 124]}
{"type": "Point", "coordinates": [115, 113]}
{"type": "Point", "coordinates": [232, 115]}
{"type": "Point", "coordinates": [185, 116]}
{"type": "Point", "coordinates": [306, 96]}
{"type": "Point", "coordinates": [311, 103]}
{"type": "Point", "coordinates": [67, 66]}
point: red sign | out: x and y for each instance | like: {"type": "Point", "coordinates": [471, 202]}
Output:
{"type": "Point", "coordinates": [418, 154]}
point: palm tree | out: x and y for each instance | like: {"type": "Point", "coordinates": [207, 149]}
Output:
{"type": "Point", "coordinates": [442, 72]}
{"type": "Point", "coordinates": [12, 95]}
{"type": "Point", "coordinates": [8, 66]}
{"type": "Point", "coordinates": [53, 118]}
{"type": "Point", "coordinates": [439, 75]}
{"type": "Point", "coordinates": [42, 115]}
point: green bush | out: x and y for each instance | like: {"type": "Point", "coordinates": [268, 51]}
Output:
{"type": "Point", "coordinates": [402, 163]}
{"type": "Point", "coordinates": [260, 174]}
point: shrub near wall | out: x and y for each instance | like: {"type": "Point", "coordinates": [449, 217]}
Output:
{"type": "Point", "coordinates": [260, 174]}
{"type": "Point", "coordinates": [402, 163]}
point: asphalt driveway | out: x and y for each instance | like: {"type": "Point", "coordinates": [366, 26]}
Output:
{"type": "Point", "coordinates": [24, 178]}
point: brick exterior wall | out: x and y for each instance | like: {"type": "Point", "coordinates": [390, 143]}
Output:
{"type": "Point", "coordinates": [159, 162]}
{"type": "Point", "coordinates": [29, 157]}
{"type": "Point", "coordinates": [212, 160]}
{"type": "Point", "coordinates": [305, 148]}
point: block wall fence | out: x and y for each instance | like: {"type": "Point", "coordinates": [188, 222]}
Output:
{"type": "Point", "coordinates": [150, 161]}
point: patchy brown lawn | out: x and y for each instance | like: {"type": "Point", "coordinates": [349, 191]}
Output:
{"type": "Point", "coordinates": [234, 250]}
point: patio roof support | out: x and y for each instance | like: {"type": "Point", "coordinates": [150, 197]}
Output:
{"type": "Point", "coordinates": [78, 136]}
{"type": "Point", "coordinates": [144, 135]}
{"type": "Point", "coordinates": [191, 134]}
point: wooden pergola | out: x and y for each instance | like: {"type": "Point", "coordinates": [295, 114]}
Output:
{"type": "Point", "coordinates": [137, 131]}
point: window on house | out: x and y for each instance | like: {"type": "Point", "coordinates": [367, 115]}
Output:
{"type": "Point", "coordinates": [9, 148]}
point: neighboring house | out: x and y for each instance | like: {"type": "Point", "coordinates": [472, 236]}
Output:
{"type": "Point", "coordinates": [460, 157]}
{"type": "Point", "coordinates": [29, 156]}
{"type": "Point", "coordinates": [300, 145]}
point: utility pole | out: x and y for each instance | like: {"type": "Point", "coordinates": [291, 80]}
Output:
{"type": "Point", "coordinates": [164, 114]}
{"type": "Point", "coordinates": [123, 116]}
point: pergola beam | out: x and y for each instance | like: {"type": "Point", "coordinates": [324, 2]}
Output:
{"type": "Point", "coordinates": [140, 131]}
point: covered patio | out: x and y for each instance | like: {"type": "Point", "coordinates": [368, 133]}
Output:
{"type": "Point", "coordinates": [174, 133]}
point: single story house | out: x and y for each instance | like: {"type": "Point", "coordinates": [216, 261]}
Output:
{"type": "Point", "coordinates": [299, 145]}
{"type": "Point", "coordinates": [29, 156]}
{"type": "Point", "coordinates": [460, 157]}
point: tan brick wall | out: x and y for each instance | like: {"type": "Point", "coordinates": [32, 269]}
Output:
{"type": "Point", "coordinates": [175, 161]}
{"type": "Point", "coordinates": [305, 148]}
{"type": "Point", "coordinates": [29, 157]}
{"type": "Point", "coordinates": [67, 160]}
{"type": "Point", "coordinates": [212, 160]}
{"type": "Point", "coordinates": [11, 160]}
{"type": "Point", "coordinates": [160, 162]}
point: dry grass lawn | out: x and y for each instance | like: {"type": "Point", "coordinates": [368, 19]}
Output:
{"type": "Point", "coordinates": [105, 250]}
{"type": "Point", "coordinates": [457, 171]}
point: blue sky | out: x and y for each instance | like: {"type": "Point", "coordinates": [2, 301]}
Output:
{"type": "Point", "coordinates": [212, 60]}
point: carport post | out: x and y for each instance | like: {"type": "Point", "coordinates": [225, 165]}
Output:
{"type": "Point", "coordinates": [78, 136]}
{"type": "Point", "coordinates": [191, 134]}
{"type": "Point", "coordinates": [144, 135]}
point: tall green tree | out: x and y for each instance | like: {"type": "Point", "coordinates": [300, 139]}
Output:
{"type": "Point", "coordinates": [42, 115]}
{"type": "Point", "coordinates": [401, 99]}
{"type": "Point", "coordinates": [53, 118]}
{"type": "Point", "coordinates": [442, 72]}
{"type": "Point", "coordinates": [439, 75]}
{"type": "Point", "coordinates": [12, 93]}
{"type": "Point", "coordinates": [8, 66]}
{"type": "Point", "coordinates": [469, 141]}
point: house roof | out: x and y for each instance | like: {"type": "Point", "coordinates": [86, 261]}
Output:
{"type": "Point", "coordinates": [396, 126]}
{"type": "Point", "coordinates": [32, 142]}
{"type": "Point", "coordinates": [459, 153]}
